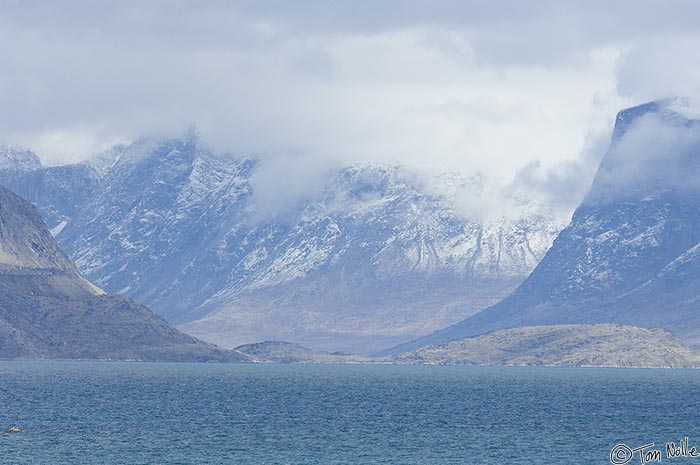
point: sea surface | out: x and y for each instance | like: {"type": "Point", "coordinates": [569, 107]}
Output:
{"type": "Point", "coordinates": [160, 413]}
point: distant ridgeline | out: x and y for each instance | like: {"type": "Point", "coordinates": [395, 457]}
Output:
{"type": "Point", "coordinates": [631, 254]}
{"type": "Point", "coordinates": [373, 259]}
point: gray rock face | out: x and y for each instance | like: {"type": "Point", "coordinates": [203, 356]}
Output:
{"type": "Point", "coordinates": [374, 259]}
{"type": "Point", "coordinates": [630, 253]}
{"type": "Point", "coordinates": [563, 345]}
{"type": "Point", "coordinates": [58, 191]}
{"type": "Point", "coordinates": [48, 310]}
{"type": "Point", "coordinates": [27, 248]}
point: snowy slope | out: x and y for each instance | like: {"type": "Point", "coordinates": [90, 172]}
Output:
{"type": "Point", "coordinates": [630, 253]}
{"type": "Point", "coordinates": [376, 258]}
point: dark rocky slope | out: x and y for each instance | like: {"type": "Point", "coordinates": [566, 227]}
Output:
{"type": "Point", "coordinates": [48, 310]}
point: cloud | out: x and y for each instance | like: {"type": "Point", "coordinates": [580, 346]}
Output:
{"type": "Point", "coordinates": [658, 152]}
{"type": "Point", "coordinates": [280, 183]}
{"type": "Point", "coordinates": [562, 186]}
{"type": "Point", "coordinates": [660, 68]}
{"type": "Point", "coordinates": [341, 81]}
{"type": "Point", "coordinates": [504, 88]}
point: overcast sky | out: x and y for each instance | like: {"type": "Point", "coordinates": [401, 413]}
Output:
{"type": "Point", "coordinates": [503, 87]}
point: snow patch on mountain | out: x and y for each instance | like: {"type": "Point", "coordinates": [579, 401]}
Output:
{"type": "Point", "coordinates": [630, 253]}
{"type": "Point", "coordinates": [378, 255]}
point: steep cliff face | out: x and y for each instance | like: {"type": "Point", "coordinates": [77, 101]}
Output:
{"type": "Point", "coordinates": [57, 191]}
{"type": "Point", "coordinates": [48, 310]}
{"type": "Point", "coordinates": [629, 254]}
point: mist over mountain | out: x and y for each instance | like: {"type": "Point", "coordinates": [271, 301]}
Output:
{"type": "Point", "coordinates": [630, 253]}
{"type": "Point", "coordinates": [373, 257]}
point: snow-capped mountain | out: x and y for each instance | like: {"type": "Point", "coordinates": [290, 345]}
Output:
{"type": "Point", "coordinates": [630, 254]}
{"type": "Point", "coordinates": [18, 160]}
{"type": "Point", "coordinates": [375, 259]}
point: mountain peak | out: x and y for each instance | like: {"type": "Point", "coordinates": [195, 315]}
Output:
{"type": "Point", "coordinates": [186, 146]}
{"type": "Point", "coordinates": [629, 254]}
{"type": "Point", "coordinates": [15, 159]}
{"type": "Point", "coordinates": [672, 110]}
{"type": "Point", "coordinates": [683, 106]}
{"type": "Point", "coordinates": [655, 150]}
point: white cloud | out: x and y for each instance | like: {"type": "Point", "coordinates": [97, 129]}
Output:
{"type": "Point", "coordinates": [496, 87]}
{"type": "Point", "coordinates": [657, 152]}
{"type": "Point", "coordinates": [660, 68]}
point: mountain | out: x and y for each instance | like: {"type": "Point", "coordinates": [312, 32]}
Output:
{"type": "Point", "coordinates": [58, 191]}
{"type": "Point", "coordinates": [605, 345]}
{"type": "Point", "coordinates": [48, 310]}
{"type": "Point", "coordinates": [15, 160]}
{"type": "Point", "coordinates": [374, 257]}
{"type": "Point", "coordinates": [631, 254]}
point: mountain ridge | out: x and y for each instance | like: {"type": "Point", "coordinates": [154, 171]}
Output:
{"type": "Point", "coordinates": [637, 219]}
{"type": "Point", "coordinates": [374, 259]}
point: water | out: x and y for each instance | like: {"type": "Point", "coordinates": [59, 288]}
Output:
{"type": "Point", "coordinates": [151, 413]}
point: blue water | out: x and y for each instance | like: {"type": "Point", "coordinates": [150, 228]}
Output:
{"type": "Point", "coordinates": [151, 413]}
